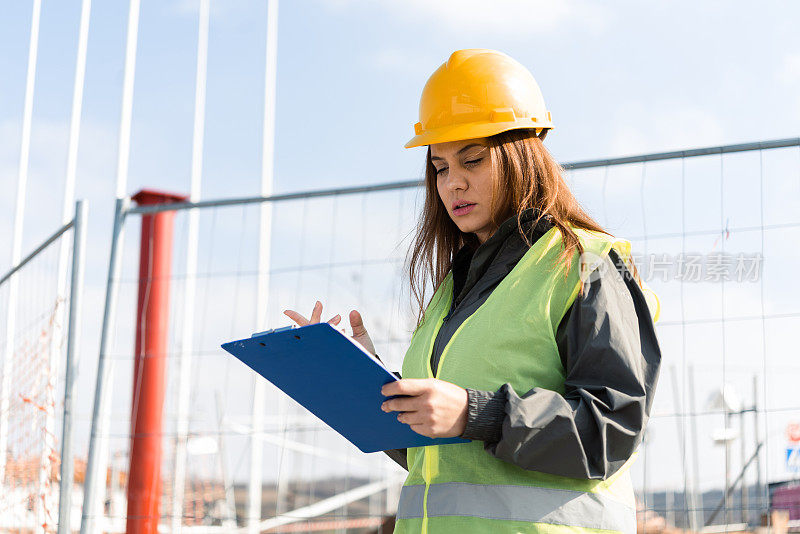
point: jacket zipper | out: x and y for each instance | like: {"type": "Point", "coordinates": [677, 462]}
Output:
{"type": "Point", "coordinates": [447, 317]}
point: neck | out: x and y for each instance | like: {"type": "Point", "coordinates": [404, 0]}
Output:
{"type": "Point", "coordinates": [484, 236]}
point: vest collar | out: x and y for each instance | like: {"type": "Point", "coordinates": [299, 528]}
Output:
{"type": "Point", "coordinates": [504, 246]}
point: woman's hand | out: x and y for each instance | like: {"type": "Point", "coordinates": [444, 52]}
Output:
{"type": "Point", "coordinates": [356, 323]}
{"type": "Point", "coordinates": [434, 408]}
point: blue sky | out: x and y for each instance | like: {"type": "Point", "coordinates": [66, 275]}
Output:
{"type": "Point", "coordinates": [619, 78]}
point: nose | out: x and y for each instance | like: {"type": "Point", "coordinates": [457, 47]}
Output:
{"type": "Point", "coordinates": [456, 181]}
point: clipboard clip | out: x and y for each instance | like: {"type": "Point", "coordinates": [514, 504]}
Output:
{"type": "Point", "coordinates": [273, 330]}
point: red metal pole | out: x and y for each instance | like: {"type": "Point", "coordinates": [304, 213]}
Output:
{"type": "Point", "coordinates": [149, 368]}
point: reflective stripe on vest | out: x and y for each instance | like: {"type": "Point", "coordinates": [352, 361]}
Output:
{"type": "Point", "coordinates": [518, 503]}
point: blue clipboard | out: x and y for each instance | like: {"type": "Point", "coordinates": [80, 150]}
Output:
{"type": "Point", "coordinates": [334, 378]}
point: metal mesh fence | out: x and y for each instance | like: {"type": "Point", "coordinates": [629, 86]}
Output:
{"type": "Point", "coordinates": [31, 461]}
{"type": "Point", "coordinates": [35, 304]}
{"type": "Point", "coordinates": [711, 234]}
{"type": "Point", "coordinates": [354, 263]}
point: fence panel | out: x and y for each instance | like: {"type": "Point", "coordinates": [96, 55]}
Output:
{"type": "Point", "coordinates": [710, 229]}
{"type": "Point", "coordinates": [39, 308]}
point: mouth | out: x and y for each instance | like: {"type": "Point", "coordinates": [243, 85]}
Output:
{"type": "Point", "coordinates": [461, 204]}
{"type": "Point", "coordinates": [462, 208]}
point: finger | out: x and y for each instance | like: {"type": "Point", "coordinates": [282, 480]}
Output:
{"type": "Point", "coordinates": [335, 319]}
{"type": "Point", "coordinates": [316, 313]}
{"type": "Point", "coordinates": [357, 324]}
{"type": "Point", "coordinates": [296, 317]}
{"type": "Point", "coordinates": [406, 386]}
{"type": "Point", "coordinates": [403, 404]}
{"type": "Point", "coordinates": [411, 418]}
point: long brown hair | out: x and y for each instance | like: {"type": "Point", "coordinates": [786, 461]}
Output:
{"type": "Point", "coordinates": [525, 175]}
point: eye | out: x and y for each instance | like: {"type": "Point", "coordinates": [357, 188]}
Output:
{"type": "Point", "coordinates": [473, 162]}
{"type": "Point", "coordinates": [438, 171]}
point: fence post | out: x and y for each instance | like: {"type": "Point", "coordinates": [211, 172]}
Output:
{"type": "Point", "coordinates": [95, 483]}
{"type": "Point", "coordinates": [71, 367]}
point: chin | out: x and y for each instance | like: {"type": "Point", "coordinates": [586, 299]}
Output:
{"type": "Point", "coordinates": [465, 226]}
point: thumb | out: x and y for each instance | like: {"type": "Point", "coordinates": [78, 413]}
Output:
{"type": "Point", "coordinates": [357, 324]}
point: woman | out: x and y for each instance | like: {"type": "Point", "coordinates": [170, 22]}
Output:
{"type": "Point", "coordinates": [538, 343]}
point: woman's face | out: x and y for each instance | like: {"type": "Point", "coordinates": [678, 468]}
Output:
{"type": "Point", "coordinates": [464, 176]}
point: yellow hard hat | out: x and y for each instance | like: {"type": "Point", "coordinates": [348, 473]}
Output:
{"type": "Point", "coordinates": [478, 93]}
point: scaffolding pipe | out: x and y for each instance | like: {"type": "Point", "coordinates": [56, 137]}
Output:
{"type": "Point", "coordinates": [187, 331]}
{"type": "Point", "coordinates": [264, 244]}
{"type": "Point", "coordinates": [98, 442]}
{"type": "Point", "coordinates": [19, 219]}
{"type": "Point", "coordinates": [124, 147]}
{"type": "Point", "coordinates": [65, 485]}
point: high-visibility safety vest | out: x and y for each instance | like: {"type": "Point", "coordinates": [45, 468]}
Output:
{"type": "Point", "coordinates": [460, 488]}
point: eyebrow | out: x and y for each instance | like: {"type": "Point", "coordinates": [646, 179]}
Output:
{"type": "Point", "coordinates": [460, 151]}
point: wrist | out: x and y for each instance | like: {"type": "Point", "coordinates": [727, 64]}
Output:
{"type": "Point", "coordinates": [485, 415]}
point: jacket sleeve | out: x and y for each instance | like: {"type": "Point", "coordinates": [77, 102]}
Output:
{"type": "Point", "coordinates": [611, 357]}
{"type": "Point", "coordinates": [399, 456]}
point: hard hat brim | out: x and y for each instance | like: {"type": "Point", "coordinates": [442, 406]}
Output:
{"type": "Point", "coordinates": [473, 130]}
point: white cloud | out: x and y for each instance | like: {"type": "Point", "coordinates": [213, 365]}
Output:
{"type": "Point", "coordinates": [499, 18]}
{"type": "Point", "coordinates": [670, 126]}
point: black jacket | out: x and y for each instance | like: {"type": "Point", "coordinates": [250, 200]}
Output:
{"type": "Point", "coordinates": [609, 350]}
